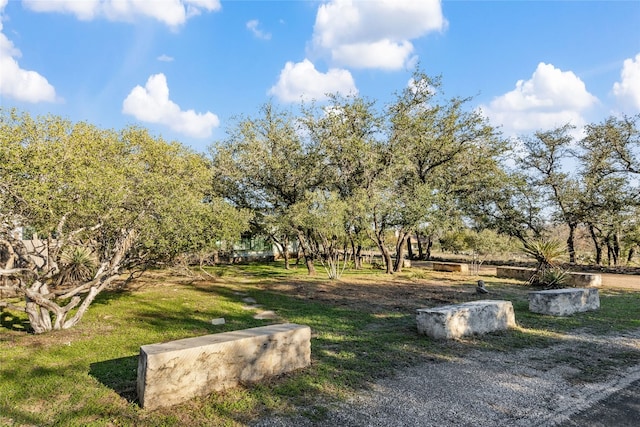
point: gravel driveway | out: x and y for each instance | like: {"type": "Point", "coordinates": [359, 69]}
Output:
{"type": "Point", "coordinates": [529, 387]}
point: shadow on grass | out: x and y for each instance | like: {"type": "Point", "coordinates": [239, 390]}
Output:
{"type": "Point", "coordinates": [14, 323]}
{"type": "Point", "coordinates": [15, 416]}
{"type": "Point", "coordinates": [120, 375]}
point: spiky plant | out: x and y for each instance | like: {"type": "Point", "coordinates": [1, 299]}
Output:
{"type": "Point", "coordinates": [77, 264]}
{"type": "Point", "coordinates": [547, 253]}
{"type": "Point", "coordinates": [552, 278]}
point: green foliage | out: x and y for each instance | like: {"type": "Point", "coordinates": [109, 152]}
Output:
{"type": "Point", "coordinates": [129, 199]}
{"type": "Point", "coordinates": [546, 252]}
{"type": "Point", "coordinates": [264, 166]}
{"type": "Point", "coordinates": [323, 215]}
{"type": "Point", "coordinates": [453, 241]}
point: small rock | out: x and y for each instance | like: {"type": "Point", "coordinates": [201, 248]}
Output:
{"type": "Point", "coordinates": [249, 300]}
{"type": "Point", "coordinates": [218, 321]}
{"type": "Point", "coordinates": [264, 315]}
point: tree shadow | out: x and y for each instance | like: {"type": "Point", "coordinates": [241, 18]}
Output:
{"type": "Point", "coordinates": [14, 323]}
{"type": "Point", "coordinates": [120, 375]}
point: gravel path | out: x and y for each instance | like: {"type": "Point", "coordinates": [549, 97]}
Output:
{"type": "Point", "coordinates": [529, 387]}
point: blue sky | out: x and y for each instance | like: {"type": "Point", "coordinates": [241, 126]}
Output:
{"type": "Point", "coordinates": [185, 68]}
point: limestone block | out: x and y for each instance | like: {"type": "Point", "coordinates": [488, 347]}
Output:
{"type": "Point", "coordinates": [177, 371]}
{"type": "Point", "coordinates": [583, 280]}
{"type": "Point", "coordinates": [476, 317]}
{"type": "Point", "coordinates": [518, 273]}
{"type": "Point", "coordinates": [451, 267]}
{"type": "Point", "coordinates": [564, 302]}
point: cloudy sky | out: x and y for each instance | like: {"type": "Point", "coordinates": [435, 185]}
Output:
{"type": "Point", "coordinates": [185, 68]}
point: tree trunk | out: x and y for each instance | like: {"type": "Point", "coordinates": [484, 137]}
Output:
{"type": "Point", "coordinates": [298, 254]}
{"type": "Point", "coordinates": [357, 251]}
{"type": "Point", "coordinates": [616, 249]}
{"type": "Point", "coordinates": [596, 244]}
{"type": "Point", "coordinates": [285, 252]}
{"type": "Point", "coordinates": [283, 248]}
{"type": "Point", "coordinates": [386, 256]}
{"type": "Point", "coordinates": [419, 241]}
{"type": "Point", "coordinates": [307, 253]}
{"type": "Point", "coordinates": [630, 256]}
{"type": "Point", "coordinates": [429, 246]}
{"type": "Point", "coordinates": [378, 237]}
{"type": "Point", "coordinates": [409, 248]}
{"type": "Point", "coordinates": [400, 245]}
{"type": "Point", "coordinates": [571, 243]}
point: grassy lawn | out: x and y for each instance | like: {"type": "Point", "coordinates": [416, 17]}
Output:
{"type": "Point", "coordinates": [363, 328]}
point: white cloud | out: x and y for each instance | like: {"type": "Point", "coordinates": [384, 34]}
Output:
{"type": "Point", "coordinates": [152, 104]}
{"type": "Point", "coordinates": [170, 12]}
{"type": "Point", "coordinates": [253, 27]}
{"type": "Point", "coordinates": [627, 90]}
{"type": "Point", "coordinates": [550, 98]}
{"type": "Point", "coordinates": [382, 54]}
{"type": "Point", "coordinates": [165, 58]}
{"type": "Point", "coordinates": [301, 81]}
{"type": "Point", "coordinates": [374, 34]}
{"type": "Point", "coordinates": [18, 83]}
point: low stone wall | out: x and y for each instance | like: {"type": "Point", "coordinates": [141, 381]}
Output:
{"type": "Point", "coordinates": [454, 267]}
{"type": "Point", "coordinates": [476, 317]}
{"type": "Point", "coordinates": [177, 371]}
{"type": "Point", "coordinates": [518, 273]}
{"type": "Point", "coordinates": [584, 280]}
{"type": "Point", "coordinates": [564, 302]}
{"type": "Point", "coordinates": [573, 279]}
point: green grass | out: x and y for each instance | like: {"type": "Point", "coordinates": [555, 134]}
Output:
{"type": "Point", "coordinates": [86, 376]}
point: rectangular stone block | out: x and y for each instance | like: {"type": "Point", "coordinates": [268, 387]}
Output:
{"type": "Point", "coordinates": [518, 273]}
{"type": "Point", "coordinates": [176, 371]}
{"type": "Point", "coordinates": [584, 280]}
{"type": "Point", "coordinates": [454, 267]}
{"type": "Point", "coordinates": [476, 317]}
{"type": "Point", "coordinates": [564, 302]}
{"type": "Point", "coordinates": [574, 279]}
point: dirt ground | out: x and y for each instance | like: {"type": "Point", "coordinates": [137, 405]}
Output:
{"type": "Point", "coordinates": [394, 293]}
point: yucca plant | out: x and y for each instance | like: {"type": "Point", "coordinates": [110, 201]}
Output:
{"type": "Point", "coordinates": [547, 254]}
{"type": "Point", "coordinates": [77, 264]}
{"type": "Point", "coordinates": [552, 278]}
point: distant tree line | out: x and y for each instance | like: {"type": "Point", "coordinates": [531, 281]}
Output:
{"type": "Point", "coordinates": [343, 175]}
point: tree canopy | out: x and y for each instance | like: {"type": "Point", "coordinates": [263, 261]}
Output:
{"type": "Point", "coordinates": [111, 201]}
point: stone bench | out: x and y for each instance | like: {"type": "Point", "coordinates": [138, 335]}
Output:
{"type": "Point", "coordinates": [582, 280]}
{"type": "Point", "coordinates": [476, 317]}
{"type": "Point", "coordinates": [564, 302]}
{"type": "Point", "coordinates": [177, 371]}
{"type": "Point", "coordinates": [454, 267]}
